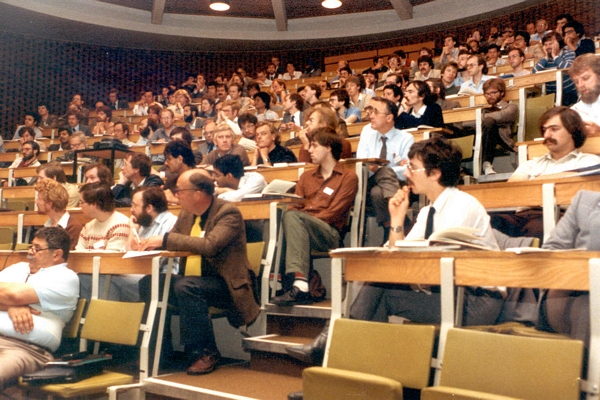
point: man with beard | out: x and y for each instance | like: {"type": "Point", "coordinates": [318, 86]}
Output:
{"type": "Point", "coordinates": [64, 137]}
{"type": "Point", "coordinates": [247, 123]}
{"type": "Point", "coordinates": [585, 72]}
{"type": "Point", "coordinates": [562, 129]}
{"type": "Point", "coordinates": [190, 116]}
{"type": "Point", "coordinates": [149, 217]}
{"type": "Point", "coordinates": [179, 158]}
{"type": "Point", "coordinates": [136, 172]}
{"type": "Point", "coordinates": [103, 124]}
{"type": "Point", "coordinates": [463, 74]}
{"type": "Point", "coordinates": [29, 153]}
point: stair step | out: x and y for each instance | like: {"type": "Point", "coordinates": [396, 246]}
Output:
{"type": "Point", "coordinates": [316, 310]}
{"type": "Point", "coordinates": [273, 343]}
{"type": "Point", "coordinates": [226, 382]}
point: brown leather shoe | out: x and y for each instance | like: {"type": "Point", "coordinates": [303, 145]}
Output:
{"type": "Point", "coordinates": [204, 365]}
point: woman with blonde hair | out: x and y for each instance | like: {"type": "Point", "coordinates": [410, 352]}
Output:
{"type": "Point", "coordinates": [182, 99]}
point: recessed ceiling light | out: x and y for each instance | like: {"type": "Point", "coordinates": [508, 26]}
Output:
{"type": "Point", "coordinates": [331, 3]}
{"type": "Point", "coordinates": [219, 5]}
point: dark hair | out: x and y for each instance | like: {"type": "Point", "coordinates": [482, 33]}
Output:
{"type": "Point", "coordinates": [449, 64]}
{"type": "Point", "coordinates": [35, 115]}
{"type": "Point", "coordinates": [185, 133]}
{"type": "Point", "coordinates": [64, 128]}
{"type": "Point", "coordinates": [34, 146]}
{"type": "Point", "coordinates": [392, 108]}
{"type": "Point", "coordinates": [267, 99]}
{"type": "Point", "coordinates": [254, 85]}
{"type": "Point", "coordinates": [210, 100]}
{"type": "Point", "coordinates": [347, 69]}
{"type": "Point", "coordinates": [247, 117]}
{"type": "Point", "coordinates": [27, 129]}
{"type": "Point", "coordinates": [53, 170]}
{"type": "Point", "coordinates": [327, 84]}
{"type": "Point", "coordinates": [568, 17]}
{"type": "Point", "coordinates": [328, 137]}
{"type": "Point", "coordinates": [372, 72]}
{"type": "Point", "coordinates": [237, 85]}
{"type": "Point", "coordinates": [155, 108]}
{"type": "Point", "coordinates": [106, 110]}
{"type": "Point", "coordinates": [426, 59]}
{"type": "Point", "coordinates": [103, 172]}
{"type": "Point", "coordinates": [176, 148]}
{"type": "Point", "coordinates": [524, 35]}
{"type": "Point", "coordinates": [141, 162]}
{"type": "Point", "coordinates": [481, 61]}
{"type": "Point", "coordinates": [577, 26]}
{"type": "Point", "coordinates": [202, 183]}
{"type": "Point", "coordinates": [124, 126]}
{"type": "Point", "coordinates": [230, 164]}
{"type": "Point", "coordinates": [316, 88]}
{"type": "Point", "coordinates": [439, 153]}
{"type": "Point", "coordinates": [98, 194]}
{"type": "Point", "coordinates": [396, 89]}
{"type": "Point", "coordinates": [424, 91]}
{"type": "Point", "coordinates": [73, 112]}
{"type": "Point", "coordinates": [57, 238]}
{"type": "Point", "coordinates": [570, 120]}
{"type": "Point", "coordinates": [342, 95]}
{"type": "Point", "coordinates": [193, 108]}
{"type": "Point", "coordinates": [153, 196]}
{"type": "Point", "coordinates": [521, 52]}
{"type": "Point", "coordinates": [547, 37]}
{"type": "Point", "coordinates": [400, 53]}
{"type": "Point", "coordinates": [493, 46]}
{"type": "Point", "coordinates": [439, 85]}
{"type": "Point", "coordinates": [297, 99]}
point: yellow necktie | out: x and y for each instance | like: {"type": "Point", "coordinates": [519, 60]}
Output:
{"type": "Point", "coordinates": [193, 266]}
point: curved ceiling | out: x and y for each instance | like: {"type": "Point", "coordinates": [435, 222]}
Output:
{"type": "Point", "coordinates": [251, 25]}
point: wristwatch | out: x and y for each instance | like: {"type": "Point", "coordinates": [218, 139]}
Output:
{"type": "Point", "coordinates": [397, 229]}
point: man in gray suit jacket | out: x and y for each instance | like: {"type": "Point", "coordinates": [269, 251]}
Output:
{"type": "Point", "coordinates": [75, 126]}
{"type": "Point", "coordinates": [225, 281]}
{"type": "Point", "coordinates": [563, 311]}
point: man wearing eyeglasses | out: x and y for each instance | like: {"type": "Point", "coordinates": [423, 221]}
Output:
{"type": "Point", "coordinates": [37, 299]}
{"type": "Point", "coordinates": [213, 230]}
{"type": "Point", "coordinates": [497, 123]}
{"type": "Point", "coordinates": [477, 68]}
{"type": "Point", "coordinates": [381, 140]}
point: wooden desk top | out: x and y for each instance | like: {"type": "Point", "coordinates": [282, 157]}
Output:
{"type": "Point", "coordinates": [111, 263]}
{"type": "Point", "coordinates": [550, 270]}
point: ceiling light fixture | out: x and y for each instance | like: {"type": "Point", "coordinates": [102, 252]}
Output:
{"type": "Point", "coordinates": [219, 5]}
{"type": "Point", "coordinates": [331, 4]}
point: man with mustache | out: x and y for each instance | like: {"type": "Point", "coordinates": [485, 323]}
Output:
{"type": "Point", "coordinates": [562, 130]}
{"type": "Point", "coordinates": [585, 72]}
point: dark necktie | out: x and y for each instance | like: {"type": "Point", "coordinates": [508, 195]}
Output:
{"type": "Point", "coordinates": [429, 224]}
{"type": "Point", "coordinates": [292, 119]}
{"type": "Point", "coordinates": [383, 153]}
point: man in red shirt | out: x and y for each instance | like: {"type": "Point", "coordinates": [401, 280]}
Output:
{"type": "Point", "coordinates": [329, 191]}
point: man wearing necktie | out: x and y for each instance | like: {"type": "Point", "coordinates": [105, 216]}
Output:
{"type": "Point", "coordinates": [213, 230]}
{"type": "Point", "coordinates": [433, 170]}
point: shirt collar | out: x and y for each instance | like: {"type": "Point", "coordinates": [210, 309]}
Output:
{"type": "Point", "coordinates": [420, 112]}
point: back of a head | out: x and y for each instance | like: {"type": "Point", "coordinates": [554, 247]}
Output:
{"type": "Point", "coordinates": [439, 153]}
{"type": "Point", "coordinates": [176, 148]}
{"type": "Point", "coordinates": [98, 194]}
{"type": "Point", "coordinates": [142, 163]}
{"type": "Point", "coordinates": [201, 182]}
{"type": "Point", "coordinates": [53, 170]}
{"type": "Point", "coordinates": [230, 164]}
{"type": "Point", "coordinates": [54, 192]}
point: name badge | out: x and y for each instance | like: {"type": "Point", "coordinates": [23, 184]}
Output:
{"type": "Point", "coordinates": [397, 160]}
{"type": "Point", "coordinates": [202, 234]}
{"type": "Point", "coordinates": [328, 191]}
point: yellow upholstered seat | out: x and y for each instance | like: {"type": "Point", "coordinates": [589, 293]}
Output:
{"type": "Point", "coordinates": [371, 360]}
{"type": "Point", "coordinates": [105, 321]}
{"type": "Point", "coordinates": [481, 365]}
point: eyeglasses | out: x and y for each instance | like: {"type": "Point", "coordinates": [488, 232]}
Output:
{"type": "Point", "coordinates": [413, 169]}
{"type": "Point", "coordinates": [175, 190]}
{"type": "Point", "coordinates": [36, 250]}
{"type": "Point", "coordinates": [569, 31]}
{"type": "Point", "coordinates": [472, 65]}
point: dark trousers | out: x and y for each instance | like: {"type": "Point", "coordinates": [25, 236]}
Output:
{"type": "Point", "coordinates": [193, 296]}
{"type": "Point", "coordinates": [528, 223]}
{"type": "Point", "coordinates": [490, 139]}
{"type": "Point", "coordinates": [381, 186]}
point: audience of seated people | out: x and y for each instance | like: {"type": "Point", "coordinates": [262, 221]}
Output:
{"type": "Point", "coordinates": [239, 128]}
